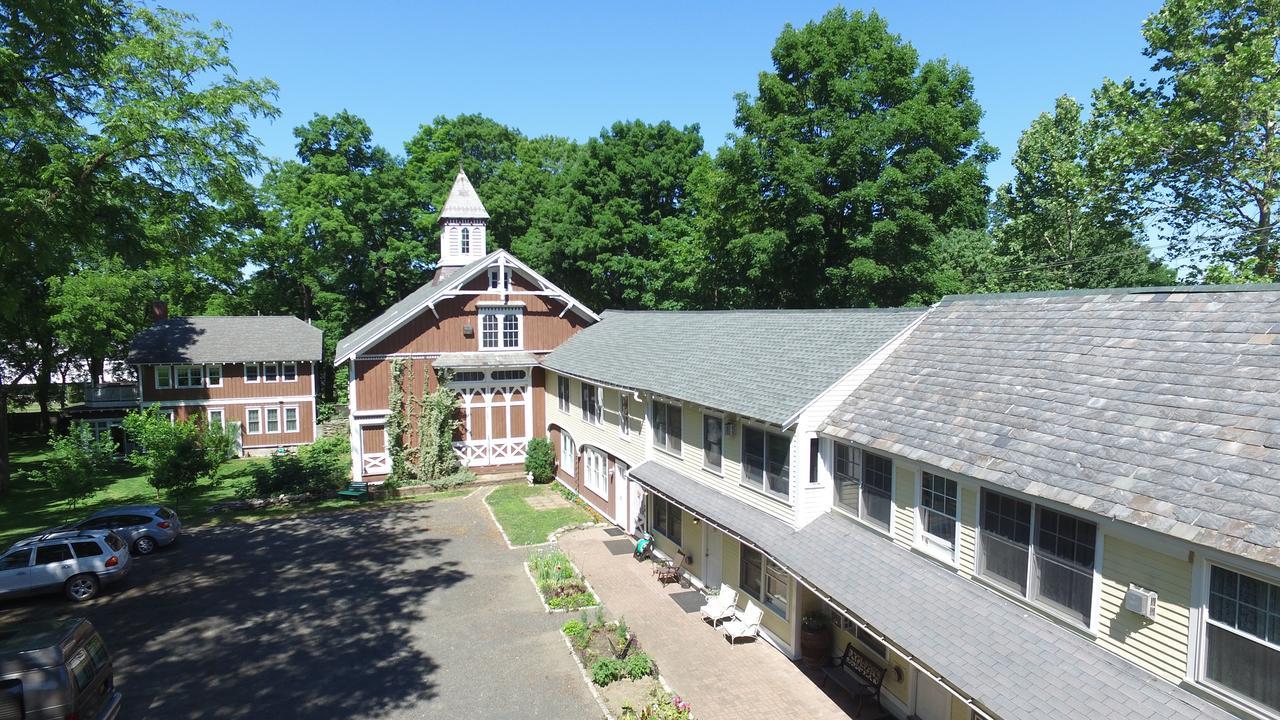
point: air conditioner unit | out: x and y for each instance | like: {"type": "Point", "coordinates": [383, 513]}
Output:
{"type": "Point", "coordinates": [1140, 601]}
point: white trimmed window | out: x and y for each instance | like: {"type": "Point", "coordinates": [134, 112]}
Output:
{"type": "Point", "coordinates": [624, 413]}
{"type": "Point", "coordinates": [939, 515]}
{"type": "Point", "coordinates": [169, 414]}
{"type": "Point", "coordinates": [251, 374]}
{"type": "Point", "coordinates": [466, 241]}
{"type": "Point", "coordinates": [164, 377]}
{"type": "Point", "coordinates": [273, 420]}
{"type": "Point", "coordinates": [562, 392]}
{"type": "Point", "coordinates": [668, 519]}
{"type": "Point", "coordinates": [500, 328]}
{"type": "Point", "coordinates": [499, 284]}
{"type": "Point", "coordinates": [270, 372]}
{"type": "Point", "coordinates": [592, 404]}
{"type": "Point", "coordinates": [253, 421]}
{"type": "Point", "coordinates": [289, 371]}
{"type": "Point", "coordinates": [666, 426]}
{"type": "Point", "coordinates": [213, 375]}
{"type": "Point", "coordinates": [188, 376]}
{"type": "Point", "coordinates": [766, 461]}
{"type": "Point", "coordinates": [765, 581]}
{"type": "Point", "coordinates": [595, 472]}
{"type": "Point", "coordinates": [712, 442]}
{"type": "Point", "coordinates": [291, 419]}
{"type": "Point", "coordinates": [1043, 555]}
{"type": "Point", "coordinates": [217, 417]}
{"type": "Point", "coordinates": [1242, 636]}
{"type": "Point", "coordinates": [568, 453]}
{"type": "Point", "coordinates": [864, 485]}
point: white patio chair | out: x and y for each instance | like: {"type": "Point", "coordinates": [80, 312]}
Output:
{"type": "Point", "coordinates": [746, 623]}
{"type": "Point", "coordinates": [720, 606]}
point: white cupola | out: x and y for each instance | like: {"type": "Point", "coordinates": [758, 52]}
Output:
{"type": "Point", "coordinates": [463, 224]}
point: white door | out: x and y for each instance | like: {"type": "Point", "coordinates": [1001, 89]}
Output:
{"type": "Point", "coordinates": [712, 556]}
{"type": "Point", "coordinates": [933, 702]}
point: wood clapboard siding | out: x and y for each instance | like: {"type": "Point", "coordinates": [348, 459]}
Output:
{"type": "Point", "coordinates": [1160, 645]}
{"type": "Point", "coordinates": [233, 386]}
{"type": "Point", "coordinates": [904, 504]}
{"type": "Point", "coordinates": [968, 529]}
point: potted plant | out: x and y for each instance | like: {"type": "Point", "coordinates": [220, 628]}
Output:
{"type": "Point", "coordinates": [815, 639]}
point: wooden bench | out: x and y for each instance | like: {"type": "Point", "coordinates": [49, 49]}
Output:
{"type": "Point", "coordinates": [357, 490]}
{"type": "Point", "coordinates": [858, 674]}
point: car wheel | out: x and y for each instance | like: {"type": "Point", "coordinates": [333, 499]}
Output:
{"type": "Point", "coordinates": [82, 587]}
{"type": "Point", "coordinates": [144, 545]}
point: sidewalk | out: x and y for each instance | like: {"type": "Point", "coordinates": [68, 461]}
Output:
{"type": "Point", "coordinates": [722, 682]}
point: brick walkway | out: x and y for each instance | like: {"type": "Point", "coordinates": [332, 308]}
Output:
{"type": "Point", "coordinates": [750, 679]}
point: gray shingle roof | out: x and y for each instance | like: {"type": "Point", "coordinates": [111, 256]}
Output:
{"type": "Point", "coordinates": [1014, 663]}
{"type": "Point", "coordinates": [764, 364]}
{"type": "Point", "coordinates": [233, 338]}
{"type": "Point", "coordinates": [398, 312]}
{"type": "Point", "coordinates": [1156, 408]}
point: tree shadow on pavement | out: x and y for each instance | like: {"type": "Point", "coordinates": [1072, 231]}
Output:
{"type": "Point", "coordinates": [307, 617]}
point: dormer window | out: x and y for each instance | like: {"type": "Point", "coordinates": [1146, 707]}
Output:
{"type": "Point", "coordinates": [466, 241]}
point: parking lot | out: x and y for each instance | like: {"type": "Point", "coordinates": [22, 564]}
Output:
{"type": "Point", "coordinates": [412, 611]}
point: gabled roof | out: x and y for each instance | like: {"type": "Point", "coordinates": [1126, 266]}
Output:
{"type": "Point", "coordinates": [226, 339]}
{"type": "Point", "coordinates": [463, 202]}
{"type": "Point", "coordinates": [763, 364]}
{"type": "Point", "coordinates": [443, 284]}
{"type": "Point", "coordinates": [1154, 407]}
{"type": "Point", "coordinates": [1015, 663]}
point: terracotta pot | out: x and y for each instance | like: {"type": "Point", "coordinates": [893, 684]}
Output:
{"type": "Point", "coordinates": [815, 646]}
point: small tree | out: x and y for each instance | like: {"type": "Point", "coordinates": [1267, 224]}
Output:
{"type": "Point", "coordinates": [76, 461]}
{"type": "Point", "coordinates": [176, 455]}
{"type": "Point", "coordinates": [540, 460]}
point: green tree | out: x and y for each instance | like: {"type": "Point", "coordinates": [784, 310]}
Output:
{"type": "Point", "coordinates": [98, 310]}
{"type": "Point", "coordinates": [1056, 225]}
{"type": "Point", "coordinates": [176, 455]}
{"type": "Point", "coordinates": [1196, 149]}
{"type": "Point", "coordinates": [851, 161]}
{"type": "Point", "coordinates": [75, 463]}
{"type": "Point", "coordinates": [613, 234]}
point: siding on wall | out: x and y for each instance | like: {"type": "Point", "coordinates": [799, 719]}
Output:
{"type": "Point", "coordinates": [606, 436]}
{"type": "Point", "coordinates": [968, 529]}
{"type": "Point", "coordinates": [904, 504]}
{"type": "Point", "coordinates": [1161, 644]}
{"type": "Point", "coordinates": [236, 413]}
{"type": "Point", "coordinates": [233, 386]}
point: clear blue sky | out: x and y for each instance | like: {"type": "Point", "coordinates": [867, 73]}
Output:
{"type": "Point", "coordinates": [577, 68]}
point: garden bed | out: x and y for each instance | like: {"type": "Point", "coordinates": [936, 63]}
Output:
{"type": "Point", "coordinates": [623, 676]}
{"type": "Point", "coordinates": [559, 584]}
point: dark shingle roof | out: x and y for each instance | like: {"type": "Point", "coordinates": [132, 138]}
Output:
{"type": "Point", "coordinates": [764, 364]}
{"type": "Point", "coordinates": [1014, 663]}
{"type": "Point", "coordinates": [235, 338]}
{"type": "Point", "coordinates": [1153, 407]}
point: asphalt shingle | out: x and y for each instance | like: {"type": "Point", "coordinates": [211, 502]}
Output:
{"type": "Point", "coordinates": [1153, 407]}
{"type": "Point", "coordinates": [225, 339]}
{"type": "Point", "coordinates": [763, 364]}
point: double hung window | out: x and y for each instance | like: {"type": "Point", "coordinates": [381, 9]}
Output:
{"type": "Point", "coordinates": [864, 484]}
{"type": "Point", "coordinates": [939, 513]}
{"type": "Point", "coordinates": [213, 375]}
{"type": "Point", "coordinates": [666, 426]}
{"type": "Point", "coordinates": [270, 372]}
{"type": "Point", "coordinates": [273, 420]}
{"type": "Point", "coordinates": [1242, 636]}
{"type": "Point", "coordinates": [500, 328]}
{"type": "Point", "coordinates": [289, 371]}
{"type": "Point", "coordinates": [667, 519]}
{"type": "Point", "coordinates": [164, 377]}
{"type": "Point", "coordinates": [253, 421]}
{"type": "Point", "coordinates": [562, 392]}
{"type": "Point", "coordinates": [712, 442]}
{"type": "Point", "coordinates": [592, 411]}
{"type": "Point", "coordinates": [188, 376]}
{"type": "Point", "coordinates": [251, 374]}
{"type": "Point", "coordinates": [624, 413]}
{"type": "Point", "coordinates": [1042, 554]}
{"type": "Point", "coordinates": [595, 475]}
{"type": "Point", "coordinates": [766, 461]}
{"type": "Point", "coordinates": [765, 581]}
{"type": "Point", "coordinates": [291, 419]}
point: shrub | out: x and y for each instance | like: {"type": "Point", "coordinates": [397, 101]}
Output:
{"type": "Point", "coordinates": [462, 476]}
{"type": "Point", "coordinates": [638, 665]}
{"type": "Point", "coordinates": [540, 460]}
{"type": "Point", "coordinates": [176, 456]}
{"type": "Point", "coordinates": [575, 630]}
{"type": "Point", "coordinates": [319, 468]}
{"type": "Point", "coordinates": [607, 670]}
{"type": "Point", "coordinates": [75, 463]}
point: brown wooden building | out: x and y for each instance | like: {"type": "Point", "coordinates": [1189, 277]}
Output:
{"type": "Point", "coordinates": [488, 319]}
{"type": "Point", "coordinates": [256, 374]}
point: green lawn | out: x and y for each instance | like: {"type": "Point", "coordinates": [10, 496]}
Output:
{"type": "Point", "coordinates": [524, 525]}
{"type": "Point", "coordinates": [31, 506]}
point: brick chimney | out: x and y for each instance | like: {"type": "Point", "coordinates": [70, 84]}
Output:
{"type": "Point", "coordinates": [159, 310]}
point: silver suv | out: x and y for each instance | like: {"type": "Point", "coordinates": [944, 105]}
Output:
{"type": "Point", "coordinates": [144, 527]}
{"type": "Point", "coordinates": [77, 563]}
{"type": "Point", "coordinates": [56, 669]}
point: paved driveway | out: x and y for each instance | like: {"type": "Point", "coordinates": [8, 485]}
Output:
{"type": "Point", "coordinates": [414, 611]}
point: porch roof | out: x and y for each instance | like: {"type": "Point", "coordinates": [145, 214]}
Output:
{"type": "Point", "coordinates": [469, 360]}
{"type": "Point", "coordinates": [1012, 662]}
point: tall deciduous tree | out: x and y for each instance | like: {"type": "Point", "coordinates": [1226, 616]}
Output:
{"type": "Point", "coordinates": [339, 241]}
{"type": "Point", "coordinates": [1200, 145]}
{"type": "Point", "coordinates": [97, 311]}
{"type": "Point", "coordinates": [1056, 225]}
{"type": "Point", "coordinates": [853, 159]}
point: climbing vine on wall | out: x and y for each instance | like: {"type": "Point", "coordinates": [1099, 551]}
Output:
{"type": "Point", "coordinates": [397, 422]}
{"type": "Point", "coordinates": [433, 418]}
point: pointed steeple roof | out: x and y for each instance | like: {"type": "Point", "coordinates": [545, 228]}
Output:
{"type": "Point", "coordinates": [463, 202]}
